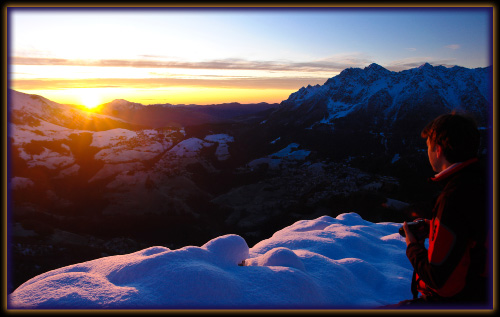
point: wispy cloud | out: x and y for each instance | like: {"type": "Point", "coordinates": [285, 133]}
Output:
{"type": "Point", "coordinates": [332, 64]}
{"type": "Point", "coordinates": [244, 83]}
{"type": "Point", "coordinates": [453, 46]}
{"type": "Point", "coordinates": [413, 62]}
{"type": "Point", "coordinates": [411, 49]}
{"type": "Point", "coordinates": [291, 74]}
{"type": "Point", "coordinates": [284, 74]}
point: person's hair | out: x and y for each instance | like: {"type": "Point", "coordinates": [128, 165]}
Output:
{"type": "Point", "coordinates": [457, 134]}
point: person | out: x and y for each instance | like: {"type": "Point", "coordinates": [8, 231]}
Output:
{"type": "Point", "coordinates": [453, 270]}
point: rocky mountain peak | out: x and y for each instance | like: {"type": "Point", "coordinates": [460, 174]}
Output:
{"type": "Point", "coordinates": [425, 66]}
{"type": "Point", "coordinates": [375, 67]}
{"type": "Point", "coordinates": [387, 97]}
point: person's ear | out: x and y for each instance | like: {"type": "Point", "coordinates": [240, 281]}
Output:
{"type": "Point", "coordinates": [439, 150]}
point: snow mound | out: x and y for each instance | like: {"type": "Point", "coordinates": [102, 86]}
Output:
{"type": "Point", "coordinates": [189, 147]}
{"type": "Point", "coordinates": [222, 151]}
{"type": "Point", "coordinates": [278, 257]}
{"type": "Point", "coordinates": [111, 137]}
{"type": "Point", "coordinates": [325, 263]}
{"type": "Point", "coordinates": [230, 249]}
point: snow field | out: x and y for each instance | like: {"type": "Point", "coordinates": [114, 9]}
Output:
{"type": "Point", "coordinates": [327, 263]}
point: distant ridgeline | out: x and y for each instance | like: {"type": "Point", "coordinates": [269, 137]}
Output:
{"type": "Point", "coordinates": [375, 104]}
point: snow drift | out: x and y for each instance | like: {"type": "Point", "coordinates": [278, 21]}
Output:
{"type": "Point", "coordinates": [342, 262]}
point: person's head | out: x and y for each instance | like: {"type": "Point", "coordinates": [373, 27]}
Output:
{"type": "Point", "coordinates": [451, 138]}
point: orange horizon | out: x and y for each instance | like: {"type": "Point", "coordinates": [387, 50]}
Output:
{"type": "Point", "coordinates": [172, 95]}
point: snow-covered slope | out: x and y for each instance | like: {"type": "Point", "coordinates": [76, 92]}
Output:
{"type": "Point", "coordinates": [328, 263]}
{"type": "Point", "coordinates": [387, 97]}
{"type": "Point", "coordinates": [61, 142]}
{"type": "Point", "coordinates": [279, 159]}
{"type": "Point", "coordinates": [26, 109]}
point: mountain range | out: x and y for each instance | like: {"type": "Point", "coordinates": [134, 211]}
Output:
{"type": "Point", "coordinates": [159, 115]}
{"type": "Point", "coordinates": [86, 184]}
{"type": "Point", "coordinates": [389, 98]}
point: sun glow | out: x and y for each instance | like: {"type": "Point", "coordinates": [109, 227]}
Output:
{"type": "Point", "coordinates": [90, 99]}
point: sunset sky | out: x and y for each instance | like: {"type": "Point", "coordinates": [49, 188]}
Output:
{"type": "Point", "coordinates": [217, 55]}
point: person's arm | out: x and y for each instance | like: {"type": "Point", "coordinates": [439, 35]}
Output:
{"type": "Point", "coordinates": [443, 267]}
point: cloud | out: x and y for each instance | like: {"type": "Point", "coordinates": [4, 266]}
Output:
{"type": "Point", "coordinates": [453, 46]}
{"type": "Point", "coordinates": [228, 82]}
{"type": "Point", "coordinates": [411, 49]}
{"type": "Point", "coordinates": [331, 64]}
{"type": "Point", "coordinates": [412, 62]}
{"type": "Point", "coordinates": [299, 74]}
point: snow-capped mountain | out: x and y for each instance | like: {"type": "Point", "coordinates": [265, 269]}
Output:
{"type": "Point", "coordinates": [385, 99]}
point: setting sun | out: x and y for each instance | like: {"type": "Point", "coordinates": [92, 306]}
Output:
{"type": "Point", "coordinates": [90, 99]}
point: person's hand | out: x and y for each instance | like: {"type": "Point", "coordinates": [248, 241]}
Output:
{"type": "Point", "coordinates": [409, 237]}
{"type": "Point", "coordinates": [427, 221]}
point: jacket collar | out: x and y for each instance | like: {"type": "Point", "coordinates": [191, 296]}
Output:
{"type": "Point", "coordinates": [453, 169]}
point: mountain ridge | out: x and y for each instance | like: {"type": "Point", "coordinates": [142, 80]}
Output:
{"type": "Point", "coordinates": [158, 115]}
{"type": "Point", "coordinates": [374, 100]}
{"type": "Point", "coordinates": [358, 89]}
{"type": "Point", "coordinates": [31, 109]}
{"type": "Point", "coordinates": [121, 113]}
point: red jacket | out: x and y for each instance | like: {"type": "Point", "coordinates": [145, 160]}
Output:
{"type": "Point", "coordinates": [454, 268]}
